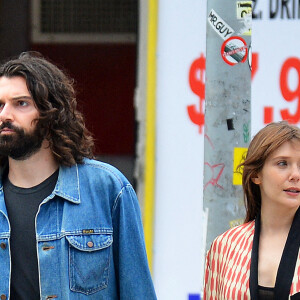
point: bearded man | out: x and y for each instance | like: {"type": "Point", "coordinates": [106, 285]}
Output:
{"type": "Point", "coordinates": [70, 226]}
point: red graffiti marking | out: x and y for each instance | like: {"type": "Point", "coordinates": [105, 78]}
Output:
{"type": "Point", "coordinates": [214, 180]}
{"type": "Point", "coordinates": [214, 169]}
{"type": "Point", "coordinates": [209, 140]}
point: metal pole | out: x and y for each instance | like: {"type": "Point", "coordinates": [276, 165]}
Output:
{"type": "Point", "coordinates": [227, 111]}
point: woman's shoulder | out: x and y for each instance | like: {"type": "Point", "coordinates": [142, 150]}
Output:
{"type": "Point", "coordinates": [235, 234]}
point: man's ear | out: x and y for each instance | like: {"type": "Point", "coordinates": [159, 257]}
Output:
{"type": "Point", "coordinates": [256, 180]}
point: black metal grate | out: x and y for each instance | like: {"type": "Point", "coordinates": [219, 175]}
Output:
{"type": "Point", "coordinates": [88, 16]}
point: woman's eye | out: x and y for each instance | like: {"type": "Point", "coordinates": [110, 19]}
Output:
{"type": "Point", "coordinates": [282, 163]}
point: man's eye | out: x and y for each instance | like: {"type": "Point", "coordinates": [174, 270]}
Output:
{"type": "Point", "coordinates": [22, 103]}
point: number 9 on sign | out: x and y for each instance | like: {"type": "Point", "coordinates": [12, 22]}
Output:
{"type": "Point", "coordinates": [288, 93]}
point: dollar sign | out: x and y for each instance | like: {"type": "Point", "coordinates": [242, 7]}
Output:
{"type": "Point", "coordinates": [196, 80]}
{"type": "Point", "coordinates": [254, 64]}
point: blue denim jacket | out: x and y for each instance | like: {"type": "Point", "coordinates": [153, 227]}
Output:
{"type": "Point", "coordinates": [90, 239]}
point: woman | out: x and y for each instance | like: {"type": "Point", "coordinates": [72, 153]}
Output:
{"type": "Point", "coordinates": [260, 259]}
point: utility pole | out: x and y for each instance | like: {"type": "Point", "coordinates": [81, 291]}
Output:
{"type": "Point", "coordinates": [227, 112]}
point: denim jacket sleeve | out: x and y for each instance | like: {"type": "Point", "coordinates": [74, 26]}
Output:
{"type": "Point", "coordinates": [132, 271]}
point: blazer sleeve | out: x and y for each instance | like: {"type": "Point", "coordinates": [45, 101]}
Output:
{"type": "Point", "coordinates": [208, 278]}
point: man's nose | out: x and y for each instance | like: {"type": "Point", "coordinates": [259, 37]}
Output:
{"type": "Point", "coordinates": [6, 113]}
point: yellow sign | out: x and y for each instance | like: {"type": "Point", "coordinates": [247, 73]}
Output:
{"type": "Point", "coordinates": [239, 155]}
{"type": "Point", "coordinates": [236, 222]}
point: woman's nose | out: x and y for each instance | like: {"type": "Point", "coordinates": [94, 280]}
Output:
{"type": "Point", "coordinates": [295, 174]}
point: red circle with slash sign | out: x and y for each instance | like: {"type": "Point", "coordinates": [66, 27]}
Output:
{"type": "Point", "coordinates": [234, 50]}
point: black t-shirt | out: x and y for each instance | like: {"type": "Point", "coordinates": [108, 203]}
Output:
{"type": "Point", "coordinates": [265, 293]}
{"type": "Point", "coordinates": [22, 206]}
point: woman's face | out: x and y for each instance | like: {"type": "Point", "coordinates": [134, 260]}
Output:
{"type": "Point", "coordinates": [279, 179]}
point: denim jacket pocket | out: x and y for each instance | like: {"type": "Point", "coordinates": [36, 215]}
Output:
{"type": "Point", "coordinates": [89, 258]}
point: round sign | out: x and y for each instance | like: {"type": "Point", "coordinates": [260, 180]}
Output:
{"type": "Point", "coordinates": [234, 50]}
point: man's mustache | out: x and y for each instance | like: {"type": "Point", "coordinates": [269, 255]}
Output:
{"type": "Point", "coordinates": [9, 126]}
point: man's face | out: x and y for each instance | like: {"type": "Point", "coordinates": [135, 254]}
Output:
{"type": "Point", "coordinates": [20, 135]}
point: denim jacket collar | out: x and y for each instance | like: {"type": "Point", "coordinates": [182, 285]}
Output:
{"type": "Point", "coordinates": [68, 185]}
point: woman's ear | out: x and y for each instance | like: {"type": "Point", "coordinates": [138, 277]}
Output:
{"type": "Point", "coordinates": [256, 180]}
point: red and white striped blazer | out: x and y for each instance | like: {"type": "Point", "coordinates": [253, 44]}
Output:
{"type": "Point", "coordinates": [234, 253]}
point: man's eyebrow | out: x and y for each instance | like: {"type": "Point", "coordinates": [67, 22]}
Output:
{"type": "Point", "coordinates": [22, 98]}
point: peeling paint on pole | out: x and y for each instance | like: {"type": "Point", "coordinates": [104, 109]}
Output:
{"type": "Point", "coordinates": [227, 112]}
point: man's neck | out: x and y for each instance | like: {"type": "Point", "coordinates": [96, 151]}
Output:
{"type": "Point", "coordinates": [33, 170]}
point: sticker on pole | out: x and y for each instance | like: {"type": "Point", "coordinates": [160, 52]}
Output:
{"type": "Point", "coordinates": [234, 50]}
{"type": "Point", "coordinates": [239, 155]}
{"type": "Point", "coordinates": [219, 25]}
{"type": "Point", "coordinates": [244, 15]}
{"type": "Point", "coordinates": [243, 9]}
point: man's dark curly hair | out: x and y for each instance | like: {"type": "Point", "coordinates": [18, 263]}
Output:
{"type": "Point", "coordinates": [54, 96]}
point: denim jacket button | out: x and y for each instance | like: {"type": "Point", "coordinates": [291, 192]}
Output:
{"type": "Point", "coordinates": [3, 246]}
{"type": "Point", "coordinates": [3, 297]}
{"type": "Point", "coordinates": [90, 244]}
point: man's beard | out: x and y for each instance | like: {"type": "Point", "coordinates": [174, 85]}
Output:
{"type": "Point", "coordinates": [20, 145]}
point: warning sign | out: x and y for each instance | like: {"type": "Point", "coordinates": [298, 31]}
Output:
{"type": "Point", "coordinates": [234, 50]}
